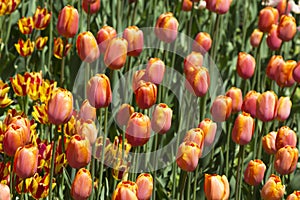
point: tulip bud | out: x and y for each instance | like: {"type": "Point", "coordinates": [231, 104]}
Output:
{"type": "Point", "coordinates": [243, 129]}
{"type": "Point", "coordinates": [188, 155]}
{"type": "Point", "coordinates": [161, 118]}
{"type": "Point", "coordinates": [285, 136]}
{"type": "Point", "coordinates": [254, 172]}
{"type": "Point", "coordinates": [216, 187]}
{"type": "Point", "coordinates": [98, 91]}
{"type": "Point", "coordinates": [41, 18]}
{"type": "Point", "coordinates": [284, 7]}
{"type": "Point", "coordinates": [266, 106]}
{"type": "Point", "coordinates": [41, 42]}
{"type": "Point", "coordinates": [268, 142]}
{"type": "Point", "coordinates": [155, 70]}
{"type": "Point", "coordinates": [87, 130]}
{"type": "Point", "coordinates": [24, 48]}
{"type": "Point", "coordinates": [166, 27]}
{"type": "Point", "coordinates": [87, 112]}
{"type": "Point", "coordinates": [104, 35]}
{"type": "Point", "coordinates": [145, 186]}
{"type": "Point", "coordinates": [87, 47]}
{"type": "Point", "coordinates": [221, 108]}
{"type": "Point", "coordinates": [274, 63]}
{"type": "Point", "coordinates": [273, 41]}
{"type": "Point", "coordinates": [209, 129]}
{"type": "Point", "coordinates": [125, 190]}
{"type": "Point", "coordinates": [255, 38]}
{"type": "Point", "coordinates": [138, 129]}
{"type": "Point", "coordinates": [283, 108]}
{"type": "Point", "coordinates": [193, 61]}
{"type": "Point", "coordinates": [294, 196]}
{"type": "Point", "coordinates": [145, 95]}
{"type": "Point", "coordinates": [124, 114]}
{"type": "Point", "coordinates": [202, 42]}
{"type": "Point", "coordinates": [138, 78]}
{"type": "Point", "coordinates": [135, 40]}
{"type": "Point", "coordinates": [284, 76]}
{"type": "Point", "coordinates": [245, 65]}
{"type": "Point", "coordinates": [249, 102]}
{"type": "Point", "coordinates": [195, 135]}
{"type": "Point", "coordinates": [78, 152]}
{"type": "Point", "coordinates": [296, 73]}
{"type": "Point", "coordinates": [287, 28]}
{"type": "Point", "coordinates": [219, 7]}
{"type": "Point", "coordinates": [286, 160]}
{"type": "Point", "coordinates": [237, 98]}
{"type": "Point", "coordinates": [187, 5]}
{"type": "Point", "coordinates": [60, 49]}
{"type": "Point", "coordinates": [91, 7]}
{"type": "Point", "coordinates": [4, 192]}
{"type": "Point", "coordinates": [82, 185]}
{"type": "Point", "coordinates": [26, 161]}
{"type": "Point", "coordinates": [26, 25]}
{"type": "Point", "coordinates": [60, 106]}
{"type": "Point", "coordinates": [267, 17]}
{"type": "Point", "coordinates": [116, 53]}
{"type": "Point", "coordinates": [67, 24]}
{"type": "Point", "coordinates": [198, 81]}
{"type": "Point", "coordinates": [273, 189]}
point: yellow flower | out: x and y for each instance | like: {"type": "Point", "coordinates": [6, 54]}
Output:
{"type": "Point", "coordinates": [4, 99]}
{"type": "Point", "coordinates": [25, 48]}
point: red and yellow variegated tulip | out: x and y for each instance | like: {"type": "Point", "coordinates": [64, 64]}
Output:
{"type": "Point", "coordinates": [24, 48]}
{"type": "Point", "coordinates": [41, 18]}
{"type": "Point", "coordinates": [41, 42]}
{"type": "Point", "coordinates": [26, 25]}
{"type": "Point", "coordinates": [60, 49]}
{"type": "Point", "coordinates": [4, 99]}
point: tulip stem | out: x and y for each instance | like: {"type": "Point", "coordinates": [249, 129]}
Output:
{"type": "Point", "coordinates": [182, 182]}
{"type": "Point", "coordinates": [53, 159]}
{"type": "Point", "coordinates": [11, 175]}
{"type": "Point", "coordinates": [89, 17]}
{"type": "Point", "coordinates": [189, 184]}
{"type": "Point", "coordinates": [134, 12]}
{"type": "Point", "coordinates": [259, 140]}
{"type": "Point", "coordinates": [191, 20]}
{"type": "Point", "coordinates": [227, 147]}
{"type": "Point", "coordinates": [239, 170]}
{"type": "Point", "coordinates": [294, 91]}
{"type": "Point", "coordinates": [51, 40]}
{"type": "Point", "coordinates": [93, 171]}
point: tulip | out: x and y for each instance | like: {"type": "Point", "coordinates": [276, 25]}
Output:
{"type": "Point", "coordinates": [285, 136]}
{"type": "Point", "coordinates": [82, 178]}
{"type": "Point", "coordinates": [87, 112]}
{"type": "Point", "coordinates": [249, 102]}
{"type": "Point", "coordinates": [202, 42]}
{"type": "Point", "coordinates": [273, 41]}
{"type": "Point", "coordinates": [216, 187]}
{"type": "Point", "coordinates": [124, 114]}
{"type": "Point", "coordinates": [294, 196]}
{"type": "Point", "coordinates": [138, 78]}
{"type": "Point", "coordinates": [8, 6]}
{"type": "Point", "coordinates": [91, 7]}
{"type": "Point", "coordinates": [198, 81]}
{"type": "Point", "coordinates": [87, 47]}
{"type": "Point", "coordinates": [19, 122]}
{"type": "Point", "coordinates": [116, 53]}
{"type": "Point", "coordinates": [60, 49]}
{"type": "Point", "coordinates": [221, 108]}
{"type": "Point", "coordinates": [195, 135]}
{"type": "Point", "coordinates": [296, 73]}
{"type": "Point", "coordinates": [145, 95]}
{"type": "Point", "coordinates": [145, 186]}
{"type": "Point", "coordinates": [274, 63]}
{"type": "Point", "coordinates": [254, 172]}
{"type": "Point", "coordinates": [67, 24]}
{"type": "Point", "coordinates": [125, 190]}
{"type": "Point", "coordinates": [135, 39]}
{"type": "Point", "coordinates": [138, 129]}
{"type": "Point", "coordinates": [4, 99]}
{"type": "Point", "coordinates": [78, 152]}
{"type": "Point", "coordinates": [267, 17]}
{"type": "Point", "coordinates": [266, 106]}
{"type": "Point", "coordinates": [273, 189]}
{"type": "Point", "coordinates": [193, 61]}
{"type": "Point", "coordinates": [218, 6]}
{"type": "Point", "coordinates": [41, 18]}
{"type": "Point", "coordinates": [209, 129]}
{"type": "Point", "coordinates": [24, 48]}
{"type": "Point", "coordinates": [13, 139]}
{"type": "Point", "coordinates": [26, 161]}
{"type": "Point", "coordinates": [287, 28]}
{"type": "Point", "coordinates": [60, 106]}
{"type": "Point", "coordinates": [284, 76]}
{"type": "Point", "coordinates": [98, 91]}
{"type": "Point", "coordinates": [243, 129]}
{"type": "Point", "coordinates": [255, 38]}
{"type": "Point", "coordinates": [104, 35]}
{"type": "Point", "coordinates": [87, 130]}
{"type": "Point", "coordinates": [166, 27]}
{"type": "Point", "coordinates": [286, 160]}
{"type": "Point", "coordinates": [41, 42]}
{"type": "Point", "coordinates": [26, 25]}
{"type": "Point", "coordinates": [188, 155]}
{"type": "Point", "coordinates": [245, 65]}
{"type": "Point", "coordinates": [155, 70]}
{"type": "Point", "coordinates": [284, 7]}
{"type": "Point", "coordinates": [283, 108]}
{"type": "Point", "coordinates": [237, 98]}
{"type": "Point", "coordinates": [4, 192]}
{"type": "Point", "coordinates": [187, 5]}
{"type": "Point", "coordinates": [161, 118]}
{"type": "Point", "coordinates": [268, 142]}
{"type": "Point", "coordinates": [20, 84]}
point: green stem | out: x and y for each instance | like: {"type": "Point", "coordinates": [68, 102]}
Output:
{"type": "Point", "coordinates": [134, 12]}
{"type": "Point", "coordinates": [93, 171]}
{"type": "Point", "coordinates": [62, 72]}
{"type": "Point", "coordinates": [50, 40]}
{"type": "Point", "coordinates": [189, 184]}
{"type": "Point", "coordinates": [11, 175]}
{"type": "Point", "coordinates": [89, 18]}
{"type": "Point", "coordinates": [216, 34]}
{"type": "Point", "coordinates": [191, 20]}
{"type": "Point", "coordinates": [182, 183]}
{"type": "Point", "coordinates": [198, 171]}
{"type": "Point", "coordinates": [294, 91]}
{"type": "Point", "coordinates": [259, 140]}
{"type": "Point", "coordinates": [239, 170]}
{"type": "Point", "coordinates": [53, 160]}
{"type": "Point", "coordinates": [227, 148]}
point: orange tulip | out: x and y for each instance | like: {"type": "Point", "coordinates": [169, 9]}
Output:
{"type": "Point", "coordinates": [198, 81]}
{"type": "Point", "coordinates": [218, 6]}
{"type": "Point", "coordinates": [145, 95]}
{"type": "Point", "coordinates": [41, 18]}
{"type": "Point", "coordinates": [275, 62]}
{"type": "Point", "coordinates": [268, 142]}
{"type": "Point", "coordinates": [221, 108]}
{"type": "Point", "coordinates": [116, 53]}
{"type": "Point", "coordinates": [273, 189]}
{"type": "Point", "coordinates": [125, 190]}
{"type": "Point", "coordinates": [188, 155]}
{"type": "Point", "coordinates": [87, 112]}
{"type": "Point", "coordinates": [87, 47]}
{"type": "Point", "coordinates": [267, 17]}
{"type": "Point", "coordinates": [245, 65]}
{"type": "Point", "coordinates": [60, 49]}
{"type": "Point", "coordinates": [195, 135]}
{"type": "Point", "coordinates": [145, 186]}
{"type": "Point", "coordinates": [243, 129]}
{"type": "Point", "coordinates": [98, 91]}
{"type": "Point", "coordinates": [26, 25]}
{"type": "Point", "coordinates": [135, 39]}
{"type": "Point", "coordinates": [216, 187]}
{"type": "Point", "coordinates": [287, 28]}
{"type": "Point", "coordinates": [155, 70]}
{"type": "Point", "coordinates": [284, 76]}
{"type": "Point", "coordinates": [67, 24]}
{"type": "Point", "coordinates": [41, 42]}
{"type": "Point", "coordinates": [104, 35]}
{"type": "Point", "coordinates": [166, 27]}
{"type": "Point", "coordinates": [254, 172]}
{"type": "Point", "coordinates": [255, 38]}
{"type": "Point", "coordinates": [294, 196]}
{"type": "Point", "coordinates": [209, 129]}
{"type": "Point", "coordinates": [60, 106]}
{"type": "Point", "coordinates": [285, 136]}
{"type": "Point", "coordinates": [138, 129]}
{"type": "Point", "coordinates": [24, 48]}
{"type": "Point", "coordinates": [249, 102]}
{"type": "Point", "coordinates": [124, 114]}
{"type": "Point", "coordinates": [296, 73]}
{"type": "Point", "coordinates": [202, 42]}
{"type": "Point", "coordinates": [161, 118]}
{"type": "Point", "coordinates": [91, 7]}
{"type": "Point", "coordinates": [237, 98]}
{"type": "Point", "coordinates": [266, 106]}
{"type": "Point", "coordinates": [4, 192]}
{"type": "Point", "coordinates": [187, 5]}
{"type": "Point", "coordinates": [284, 7]}
{"type": "Point", "coordinates": [138, 78]}
{"type": "Point", "coordinates": [82, 178]}
{"type": "Point", "coordinates": [193, 61]}
{"type": "Point", "coordinates": [283, 108]}
{"type": "Point", "coordinates": [286, 159]}
{"type": "Point", "coordinates": [273, 41]}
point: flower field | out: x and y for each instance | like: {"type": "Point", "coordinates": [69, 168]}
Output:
{"type": "Point", "coordinates": [140, 100]}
